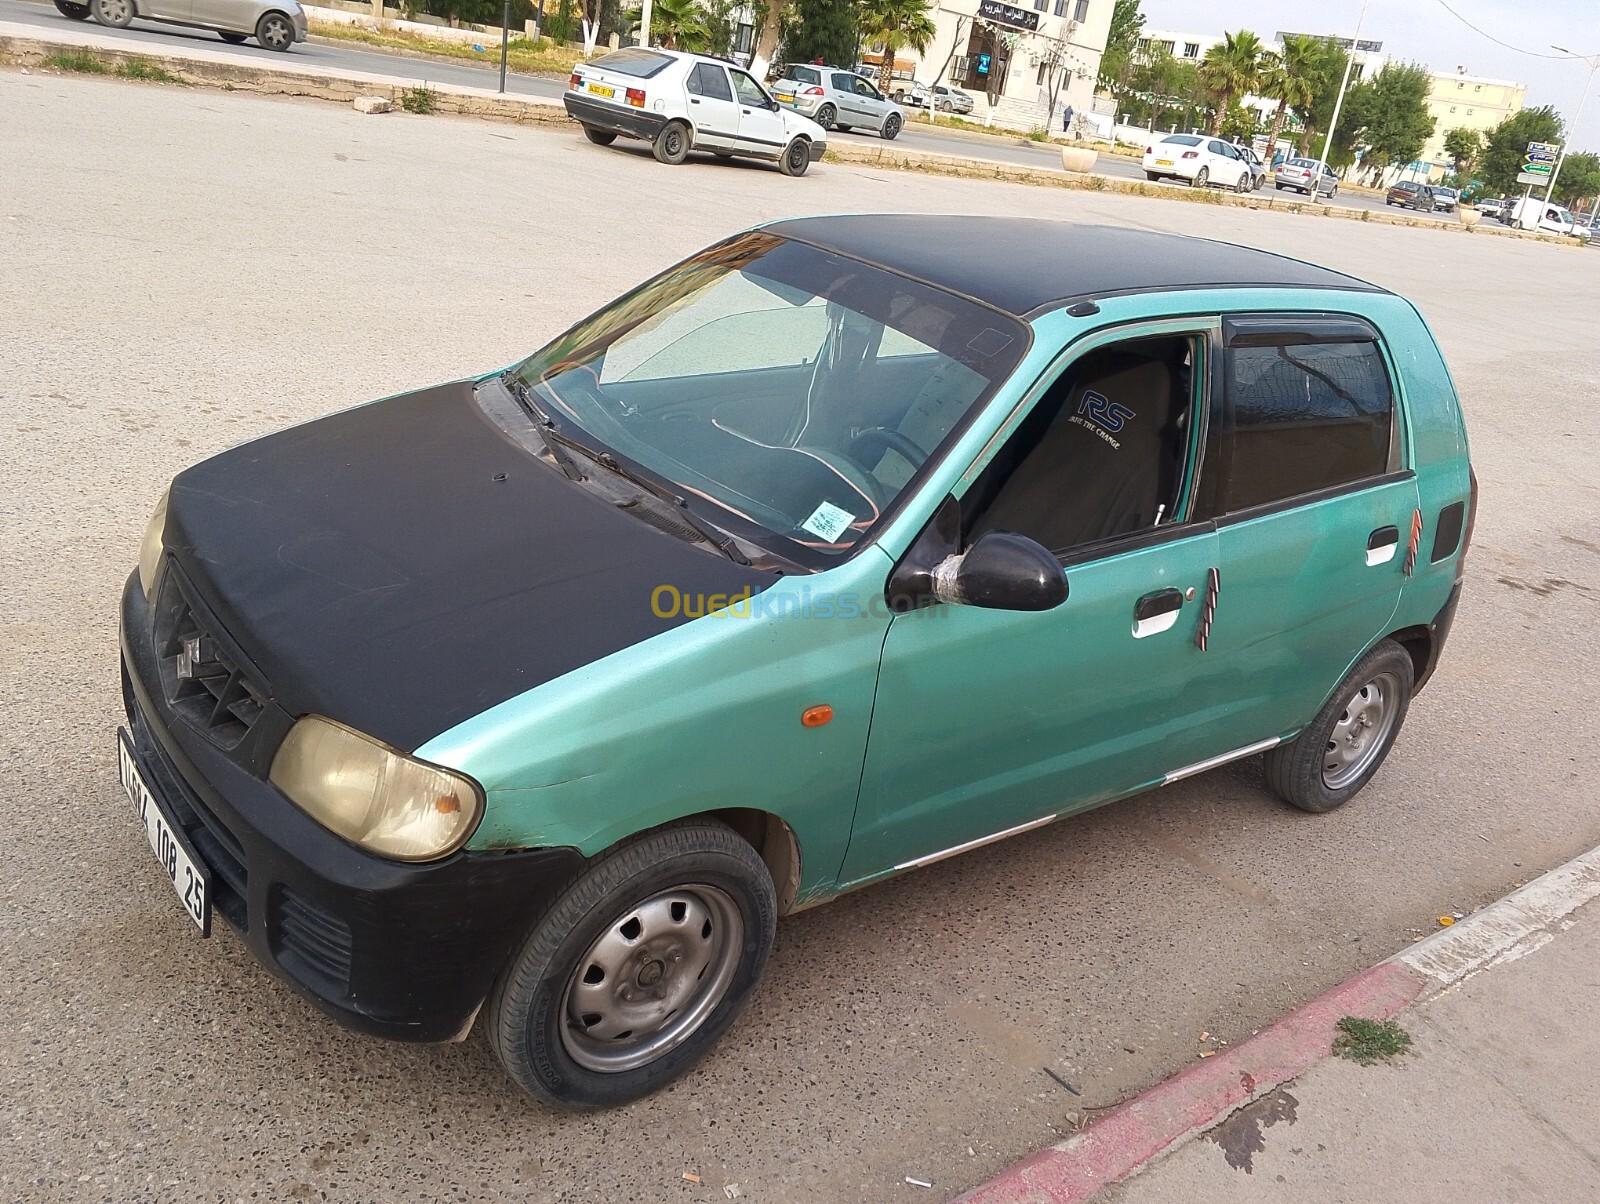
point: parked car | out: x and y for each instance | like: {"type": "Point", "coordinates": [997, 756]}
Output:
{"type": "Point", "coordinates": [1258, 169]}
{"type": "Point", "coordinates": [942, 98]}
{"type": "Point", "coordinates": [1199, 160]}
{"type": "Point", "coordinates": [1309, 176]}
{"type": "Point", "coordinates": [1444, 199]}
{"type": "Point", "coordinates": [274, 24]}
{"type": "Point", "coordinates": [1410, 194]}
{"type": "Point", "coordinates": [533, 700]}
{"type": "Point", "coordinates": [838, 99]}
{"type": "Point", "coordinates": [904, 90]}
{"type": "Point", "coordinates": [1491, 206]}
{"type": "Point", "coordinates": [680, 102]}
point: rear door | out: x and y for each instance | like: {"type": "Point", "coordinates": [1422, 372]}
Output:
{"type": "Point", "coordinates": [761, 128]}
{"type": "Point", "coordinates": [1314, 508]}
{"type": "Point", "coordinates": [712, 108]}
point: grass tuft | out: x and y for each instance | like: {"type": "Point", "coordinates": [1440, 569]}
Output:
{"type": "Point", "coordinates": [146, 70]}
{"type": "Point", "coordinates": [418, 100]}
{"type": "Point", "coordinates": [1368, 1042]}
{"type": "Point", "coordinates": [85, 63]}
{"type": "Point", "coordinates": [523, 54]}
{"type": "Point", "coordinates": [80, 61]}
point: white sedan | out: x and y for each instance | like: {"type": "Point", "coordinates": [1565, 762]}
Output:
{"type": "Point", "coordinates": [1199, 160]}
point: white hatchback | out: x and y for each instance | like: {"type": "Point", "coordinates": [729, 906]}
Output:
{"type": "Point", "coordinates": [1199, 160]}
{"type": "Point", "coordinates": [681, 102]}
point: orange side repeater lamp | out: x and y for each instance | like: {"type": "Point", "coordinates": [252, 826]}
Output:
{"type": "Point", "coordinates": [816, 716]}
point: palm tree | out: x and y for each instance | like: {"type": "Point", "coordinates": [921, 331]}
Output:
{"type": "Point", "coordinates": [1288, 77]}
{"type": "Point", "coordinates": [1230, 70]}
{"type": "Point", "coordinates": [894, 24]}
{"type": "Point", "coordinates": [676, 24]}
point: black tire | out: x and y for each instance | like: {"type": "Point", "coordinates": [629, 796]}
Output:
{"type": "Point", "coordinates": [78, 12]}
{"type": "Point", "coordinates": [723, 154]}
{"type": "Point", "coordinates": [1152, 175]}
{"type": "Point", "coordinates": [796, 158]}
{"type": "Point", "coordinates": [118, 14]}
{"type": "Point", "coordinates": [842, 129]}
{"type": "Point", "coordinates": [598, 136]}
{"type": "Point", "coordinates": [1243, 186]}
{"type": "Point", "coordinates": [1297, 771]}
{"type": "Point", "coordinates": [826, 116]}
{"type": "Point", "coordinates": [233, 38]}
{"type": "Point", "coordinates": [671, 145]}
{"type": "Point", "coordinates": [527, 1011]}
{"type": "Point", "coordinates": [1201, 178]}
{"type": "Point", "coordinates": [891, 127]}
{"type": "Point", "coordinates": [275, 32]}
{"type": "Point", "coordinates": [1277, 186]}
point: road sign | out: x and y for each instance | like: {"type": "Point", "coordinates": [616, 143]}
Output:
{"type": "Point", "coordinates": [1538, 162]}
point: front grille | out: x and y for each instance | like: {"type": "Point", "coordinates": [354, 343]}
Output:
{"type": "Point", "coordinates": [313, 945]}
{"type": "Point", "coordinates": [204, 682]}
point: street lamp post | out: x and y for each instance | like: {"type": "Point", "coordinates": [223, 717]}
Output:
{"type": "Point", "coordinates": [1594, 65]}
{"type": "Point", "coordinates": [1338, 104]}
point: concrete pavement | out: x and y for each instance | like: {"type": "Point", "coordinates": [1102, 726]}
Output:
{"type": "Point", "coordinates": [232, 264]}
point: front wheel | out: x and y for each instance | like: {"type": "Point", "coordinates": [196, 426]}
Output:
{"type": "Point", "coordinates": [671, 145]}
{"type": "Point", "coordinates": [118, 14]}
{"type": "Point", "coordinates": [826, 116]}
{"type": "Point", "coordinates": [891, 126]}
{"type": "Point", "coordinates": [78, 12]}
{"type": "Point", "coordinates": [598, 136]}
{"type": "Point", "coordinates": [637, 968]}
{"type": "Point", "coordinates": [274, 32]}
{"type": "Point", "coordinates": [1339, 751]}
{"type": "Point", "coordinates": [796, 158]}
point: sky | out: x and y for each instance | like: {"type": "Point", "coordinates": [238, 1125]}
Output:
{"type": "Point", "coordinates": [1424, 31]}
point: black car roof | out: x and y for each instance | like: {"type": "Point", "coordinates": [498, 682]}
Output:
{"type": "Point", "coordinates": [1026, 265]}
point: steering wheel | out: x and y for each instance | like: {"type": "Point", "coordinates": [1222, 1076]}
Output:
{"type": "Point", "coordinates": [889, 438]}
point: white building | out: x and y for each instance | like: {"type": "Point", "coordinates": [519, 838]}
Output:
{"type": "Point", "coordinates": [1020, 53]}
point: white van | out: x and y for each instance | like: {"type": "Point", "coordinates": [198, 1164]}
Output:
{"type": "Point", "coordinates": [1530, 213]}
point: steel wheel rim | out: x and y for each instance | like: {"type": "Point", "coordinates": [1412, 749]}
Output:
{"type": "Point", "coordinates": [797, 155]}
{"type": "Point", "coordinates": [652, 978]}
{"type": "Point", "coordinates": [1362, 729]}
{"type": "Point", "coordinates": [674, 142]}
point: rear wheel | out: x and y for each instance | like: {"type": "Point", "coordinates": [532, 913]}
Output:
{"type": "Point", "coordinates": [1152, 175]}
{"type": "Point", "coordinates": [826, 116]}
{"type": "Point", "coordinates": [1202, 177]}
{"type": "Point", "coordinates": [796, 158]}
{"type": "Point", "coordinates": [1340, 750]}
{"type": "Point", "coordinates": [638, 967]}
{"type": "Point", "coordinates": [843, 129]}
{"type": "Point", "coordinates": [118, 14]}
{"type": "Point", "coordinates": [891, 126]}
{"type": "Point", "coordinates": [78, 12]}
{"type": "Point", "coordinates": [1243, 184]}
{"type": "Point", "coordinates": [275, 32]}
{"type": "Point", "coordinates": [598, 136]}
{"type": "Point", "coordinates": [671, 145]}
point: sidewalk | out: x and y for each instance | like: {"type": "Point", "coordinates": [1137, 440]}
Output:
{"type": "Point", "coordinates": [1496, 1101]}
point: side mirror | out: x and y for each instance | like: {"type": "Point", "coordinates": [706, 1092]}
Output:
{"type": "Point", "coordinates": [1002, 571]}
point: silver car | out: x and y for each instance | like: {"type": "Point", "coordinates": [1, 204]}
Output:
{"type": "Point", "coordinates": [1306, 175]}
{"type": "Point", "coordinates": [275, 24]}
{"type": "Point", "coordinates": [838, 99]}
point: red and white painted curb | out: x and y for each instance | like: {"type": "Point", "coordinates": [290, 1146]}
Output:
{"type": "Point", "coordinates": [1192, 1101]}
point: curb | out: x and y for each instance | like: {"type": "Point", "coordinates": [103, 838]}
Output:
{"type": "Point", "coordinates": [214, 69]}
{"type": "Point", "coordinates": [1129, 1136]}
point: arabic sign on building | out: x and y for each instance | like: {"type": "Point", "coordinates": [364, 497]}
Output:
{"type": "Point", "coordinates": [1008, 14]}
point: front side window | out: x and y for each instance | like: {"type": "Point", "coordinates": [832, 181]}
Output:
{"type": "Point", "coordinates": [749, 91]}
{"type": "Point", "coordinates": [863, 88]}
{"type": "Point", "coordinates": [791, 394]}
{"type": "Point", "coordinates": [1306, 416]}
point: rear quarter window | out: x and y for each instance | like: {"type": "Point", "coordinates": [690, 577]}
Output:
{"type": "Point", "coordinates": [1306, 417]}
{"type": "Point", "coordinates": [639, 63]}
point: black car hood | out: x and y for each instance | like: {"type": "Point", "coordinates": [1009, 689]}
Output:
{"type": "Point", "coordinates": [402, 566]}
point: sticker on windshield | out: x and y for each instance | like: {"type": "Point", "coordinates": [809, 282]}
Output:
{"type": "Point", "coordinates": [828, 522]}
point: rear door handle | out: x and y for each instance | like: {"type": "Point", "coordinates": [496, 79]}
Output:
{"type": "Point", "coordinates": [1382, 544]}
{"type": "Point", "coordinates": [1156, 612]}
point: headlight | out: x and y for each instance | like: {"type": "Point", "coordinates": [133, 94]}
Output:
{"type": "Point", "coordinates": [151, 547]}
{"type": "Point", "coordinates": [372, 795]}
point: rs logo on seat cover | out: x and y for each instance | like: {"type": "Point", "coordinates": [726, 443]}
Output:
{"type": "Point", "coordinates": [1111, 415]}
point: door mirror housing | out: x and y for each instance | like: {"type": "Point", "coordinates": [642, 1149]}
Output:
{"type": "Point", "coordinates": [1001, 571]}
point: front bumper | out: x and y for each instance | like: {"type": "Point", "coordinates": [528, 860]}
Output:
{"type": "Point", "coordinates": [406, 951]}
{"type": "Point", "coordinates": [618, 119]}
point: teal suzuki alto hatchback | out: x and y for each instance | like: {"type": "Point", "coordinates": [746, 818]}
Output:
{"type": "Point", "coordinates": [843, 546]}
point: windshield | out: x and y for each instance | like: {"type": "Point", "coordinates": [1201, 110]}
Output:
{"type": "Point", "coordinates": [791, 394]}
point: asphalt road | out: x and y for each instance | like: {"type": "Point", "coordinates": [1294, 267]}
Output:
{"type": "Point", "coordinates": [167, 38]}
{"type": "Point", "coordinates": [232, 263]}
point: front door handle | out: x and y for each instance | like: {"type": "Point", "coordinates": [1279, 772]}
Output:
{"type": "Point", "coordinates": [1382, 544]}
{"type": "Point", "coordinates": [1156, 612]}
{"type": "Point", "coordinates": [693, 100]}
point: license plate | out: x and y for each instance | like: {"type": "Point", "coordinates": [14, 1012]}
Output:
{"type": "Point", "coordinates": [785, 97]}
{"type": "Point", "coordinates": [602, 90]}
{"type": "Point", "coordinates": [1163, 162]}
{"type": "Point", "coordinates": [182, 868]}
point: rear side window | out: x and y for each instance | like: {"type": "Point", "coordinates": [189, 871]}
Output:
{"type": "Point", "coordinates": [641, 64]}
{"type": "Point", "coordinates": [1306, 416]}
{"type": "Point", "coordinates": [842, 82]}
{"type": "Point", "coordinates": [707, 79]}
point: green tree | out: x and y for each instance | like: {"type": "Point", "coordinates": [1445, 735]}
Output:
{"type": "Point", "coordinates": [1580, 179]}
{"type": "Point", "coordinates": [1118, 63]}
{"type": "Point", "coordinates": [1324, 71]}
{"type": "Point", "coordinates": [892, 25]}
{"type": "Point", "coordinates": [1389, 114]}
{"type": "Point", "coordinates": [1239, 124]}
{"type": "Point", "coordinates": [1230, 70]}
{"type": "Point", "coordinates": [678, 25]}
{"type": "Point", "coordinates": [1288, 77]}
{"type": "Point", "coordinates": [1508, 142]}
{"type": "Point", "coordinates": [821, 31]}
{"type": "Point", "coordinates": [1463, 146]}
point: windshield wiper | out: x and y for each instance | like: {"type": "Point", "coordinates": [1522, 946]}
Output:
{"type": "Point", "coordinates": [554, 444]}
{"type": "Point", "coordinates": [720, 540]}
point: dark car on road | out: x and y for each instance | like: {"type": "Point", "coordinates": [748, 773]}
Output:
{"type": "Point", "coordinates": [1410, 195]}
